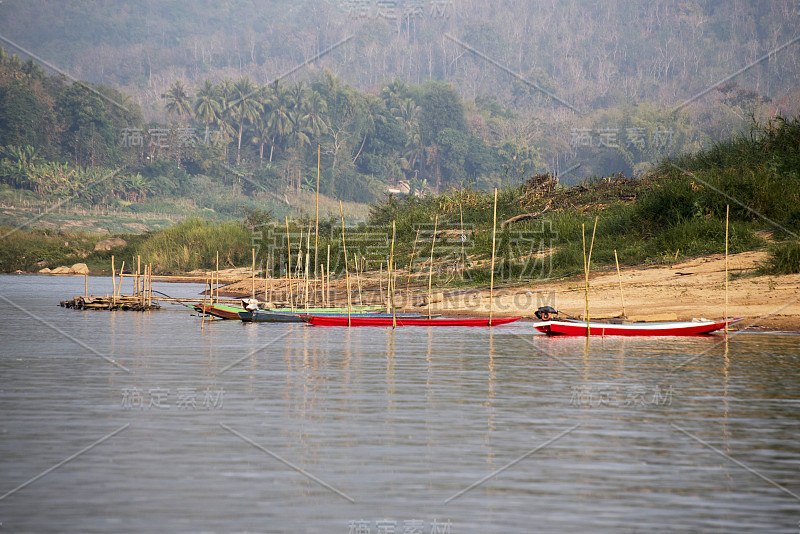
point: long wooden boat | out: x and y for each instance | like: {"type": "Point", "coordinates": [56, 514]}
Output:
{"type": "Point", "coordinates": [273, 316]}
{"type": "Point", "coordinates": [223, 311]}
{"type": "Point", "coordinates": [365, 320]}
{"type": "Point", "coordinates": [571, 327]}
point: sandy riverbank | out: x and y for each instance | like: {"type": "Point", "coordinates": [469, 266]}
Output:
{"type": "Point", "coordinates": [687, 290]}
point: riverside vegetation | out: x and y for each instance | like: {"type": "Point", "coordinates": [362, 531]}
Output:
{"type": "Point", "coordinates": [676, 211]}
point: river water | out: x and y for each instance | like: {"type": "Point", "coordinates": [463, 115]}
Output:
{"type": "Point", "coordinates": [148, 422]}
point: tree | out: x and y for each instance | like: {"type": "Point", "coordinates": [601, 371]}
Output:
{"type": "Point", "coordinates": [207, 107]}
{"type": "Point", "coordinates": [178, 102]}
{"type": "Point", "coordinates": [246, 107]}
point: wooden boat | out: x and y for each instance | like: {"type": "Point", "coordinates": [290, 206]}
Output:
{"type": "Point", "coordinates": [223, 311]}
{"type": "Point", "coordinates": [274, 316]}
{"type": "Point", "coordinates": [366, 320]}
{"type": "Point", "coordinates": [572, 327]}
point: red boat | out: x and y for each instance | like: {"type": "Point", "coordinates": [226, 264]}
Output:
{"type": "Point", "coordinates": [387, 321]}
{"type": "Point", "coordinates": [572, 327]}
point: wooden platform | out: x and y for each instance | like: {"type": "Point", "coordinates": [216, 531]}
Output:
{"type": "Point", "coordinates": [126, 303]}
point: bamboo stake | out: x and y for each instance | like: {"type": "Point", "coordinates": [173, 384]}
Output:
{"type": "Point", "coordinates": [113, 280]}
{"type": "Point", "coordinates": [411, 263]}
{"type": "Point", "coordinates": [461, 216]}
{"type": "Point", "coordinates": [208, 282]}
{"type": "Point", "coordinates": [212, 301]}
{"type": "Point", "coordinates": [316, 230]}
{"type": "Point", "coordinates": [328, 270]}
{"type": "Point", "coordinates": [253, 293]}
{"type": "Point", "coordinates": [491, 274]}
{"type": "Point", "coordinates": [119, 285]}
{"type": "Point", "coordinates": [269, 267]}
{"type": "Point", "coordinates": [430, 271]}
{"type": "Point", "coordinates": [380, 284]}
{"type": "Point", "coordinates": [138, 274]}
{"type": "Point", "coordinates": [308, 259]}
{"type": "Point", "coordinates": [346, 273]}
{"type": "Point", "coordinates": [619, 279]}
{"type": "Point", "coordinates": [357, 263]}
{"type": "Point", "coordinates": [727, 216]}
{"type": "Point", "coordinates": [586, 263]}
{"type": "Point", "coordinates": [322, 288]}
{"type": "Point", "coordinates": [289, 266]}
{"type": "Point", "coordinates": [391, 288]}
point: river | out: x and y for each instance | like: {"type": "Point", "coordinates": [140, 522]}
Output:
{"type": "Point", "coordinates": [148, 422]}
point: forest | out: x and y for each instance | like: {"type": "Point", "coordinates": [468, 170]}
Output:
{"type": "Point", "coordinates": [230, 104]}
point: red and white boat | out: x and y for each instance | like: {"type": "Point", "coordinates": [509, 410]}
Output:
{"type": "Point", "coordinates": [573, 327]}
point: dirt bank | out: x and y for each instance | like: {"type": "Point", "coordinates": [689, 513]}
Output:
{"type": "Point", "coordinates": [687, 290]}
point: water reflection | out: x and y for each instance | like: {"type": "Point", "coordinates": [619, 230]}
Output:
{"type": "Point", "coordinates": [401, 420]}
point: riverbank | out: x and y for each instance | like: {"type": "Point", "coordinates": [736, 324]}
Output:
{"type": "Point", "coordinates": [683, 291]}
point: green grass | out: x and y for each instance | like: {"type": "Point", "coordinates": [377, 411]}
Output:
{"type": "Point", "coordinates": [784, 258]}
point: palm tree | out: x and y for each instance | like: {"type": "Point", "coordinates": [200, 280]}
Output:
{"type": "Point", "coordinates": [279, 122]}
{"type": "Point", "coordinates": [178, 102]}
{"type": "Point", "coordinates": [245, 106]}
{"type": "Point", "coordinates": [314, 116]}
{"type": "Point", "coordinates": [207, 107]}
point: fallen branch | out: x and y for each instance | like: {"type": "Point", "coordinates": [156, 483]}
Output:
{"type": "Point", "coordinates": [525, 216]}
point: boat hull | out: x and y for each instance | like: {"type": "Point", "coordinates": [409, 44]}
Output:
{"type": "Point", "coordinates": [265, 316]}
{"type": "Point", "coordinates": [387, 321]}
{"type": "Point", "coordinates": [219, 310]}
{"type": "Point", "coordinates": [577, 328]}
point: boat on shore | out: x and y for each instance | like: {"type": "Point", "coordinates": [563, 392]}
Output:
{"type": "Point", "coordinates": [365, 320]}
{"type": "Point", "coordinates": [574, 327]}
{"type": "Point", "coordinates": [222, 311]}
{"type": "Point", "coordinates": [225, 311]}
{"type": "Point", "coordinates": [299, 316]}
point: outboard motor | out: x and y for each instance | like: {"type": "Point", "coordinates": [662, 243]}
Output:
{"type": "Point", "coordinates": [250, 304]}
{"type": "Point", "coordinates": [546, 313]}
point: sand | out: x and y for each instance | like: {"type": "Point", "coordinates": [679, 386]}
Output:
{"type": "Point", "coordinates": [692, 289]}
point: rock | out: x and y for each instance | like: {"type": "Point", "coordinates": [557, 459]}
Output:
{"type": "Point", "coordinates": [108, 244]}
{"type": "Point", "coordinates": [45, 271]}
{"type": "Point", "coordinates": [42, 263]}
{"type": "Point", "coordinates": [80, 268]}
{"type": "Point", "coordinates": [61, 270]}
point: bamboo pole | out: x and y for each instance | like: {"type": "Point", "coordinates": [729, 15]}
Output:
{"type": "Point", "coordinates": [217, 288]}
{"type": "Point", "coordinates": [119, 285]}
{"type": "Point", "coordinates": [316, 230]}
{"type": "Point", "coordinates": [113, 280]}
{"type": "Point", "coordinates": [322, 287]}
{"type": "Point", "coordinates": [357, 263]}
{"type": "Point", "coordinates": [391, 285]}
{"type": "Point", "coordinates": [461, 216]}
{"type": "Point", "coordinates": [491, 274]}
{"type": "Point", "coordinates": [380, 284]}
{"type": "Point", "coordinates": [619, 279]}
{"type": "Point", "coordinates": [308, 260]}
{"type": "Point", "coordinates": [328, 270]}
{"type": "Point", "coordinates": [138, 274]}
{"type": "Point", "coordinates": [430, 270]}
{"type": "Point", "coordinates": [411, 263]}
{"type": "Point", "coordinates": [586, 264]}
{"type": "Point", "coordinates": [253, 271]}
{"type": "Point", "coordinates": [346, 273]}
{"type": "Point", "coordinates": [268, 268]}
{"type": "Point", "coordinates": [727, 216]}
{"type": "Point", "coordinates": [289, 266]}
{"type": "Point", "coordinates": [203, 321]}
